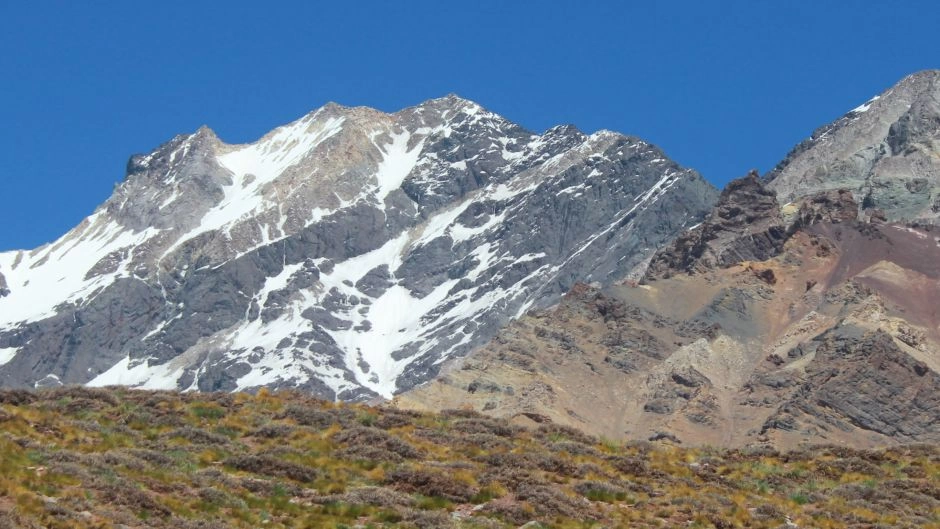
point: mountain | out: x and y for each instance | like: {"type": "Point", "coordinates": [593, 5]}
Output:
{"type": "Point", "coordinates": [348, 253]}
{"type": "Point", "coordinates": [802, 309]}
{"type": "Point", "coordinates": [886, 152]}
{"type": "Point", "coordinates": [751, 328]}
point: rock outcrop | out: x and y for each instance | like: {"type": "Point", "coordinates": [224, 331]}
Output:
{"type": "Point", "coordinates": [863, 380]}
{"type": "Point", "coordinates": [745, 225]}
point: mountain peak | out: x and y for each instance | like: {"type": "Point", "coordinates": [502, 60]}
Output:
{"type": "Point", "coordinates": [204, 136]}
{"type": "Point", "coordinates": [885, 152]}
{"type": "Point", "coordinates": [452, 99]}
{"type": "Point", "coordinates": [923, 76]}
{"type": "Point", "coordinates": [451, 102]}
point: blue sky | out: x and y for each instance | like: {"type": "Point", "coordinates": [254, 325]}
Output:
{"type": "Point", "coordinates": [720, 86]}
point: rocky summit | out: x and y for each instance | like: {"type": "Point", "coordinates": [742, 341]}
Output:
{"type": "Point", "coordinates": [885, 151]}
{"type": "Point", "coordinates": [347, 254]}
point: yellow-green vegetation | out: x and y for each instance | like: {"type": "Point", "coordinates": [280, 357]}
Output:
{"type": "Point", "coordinates": [77, 457]}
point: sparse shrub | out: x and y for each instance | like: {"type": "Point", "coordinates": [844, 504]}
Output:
{"type": "Point", "coordinates": [487, 493]}
{"type": "Point", "coordinates": [557, 432]}
{"type": "Point", "coordinates": [319, 418]}
{"type": "Point", "coordinates": [438, 437]}
{"type": "Point", "coordinates": [376, 496]}
{"type": "Point", "coordinates": [508, 460]}
{"type": "Point", "coordinates": [395, 418]}
{"type": "Point", "coordinates": [368, 453]}
{"type": "Point", "coordinates": [481, 425]}
{"type": "Point", "coordinates": [631, 466]}
{"type": "Point", "coordinates": [207, 411]}
{"type": "Point", "coordinates": [513, 478]}
{"type": "Point", "coordinates": [171, 420]}
{"type": "Point", "coordinates": [73, 446]}
{"type": "Point", "coordinates": [122, 492]}
{"type": "Point", "coordinates": [214, 476]}
{"type": "Point", "coordinates": [768, 511]}
{"type": "Point", "coordinates": [309, 416]}
{"type": "Point", "coordinates": [18, 397]}
{"type": "Point", "coordinates": [600, 491]}
{"type": "Point", "coordinates": [480, 522]}
{"type": "Point", "coordinates": [375, 438]}
{"type": "Point", "coordinates": [553, 502]}
{"type": "Point", "coordinates": [274, 431]}
{"type": "Point", "coordinates": [800, 498]}
{"type": "Point", "coordinates": [559, 465]}
{"type": "Point", "coordinates": [839, 467]}
{"type": "Point", "coordinates": [485, 441]}
{"type": "Point", "coordinates": [367, 418]}
{"type": "Point", "coordinates": [103, 396]}
{"type": "Point", "coordinates": [575, 449]}
{"type": "Point", "coordinates": [461, 413]}
{"type": "Point", "coordinates": [213, 496]}
{"type": "Point", "coordinates": [510, 510]}
{"type": "Point", "coordinates": [197, 436]}
{"type": "Point", "coordinates": [427, 519]}
{"type": "Point", "coordinates": [271, 466]}
{"type": "Point", "coordinates": [122, 458]}
{"type": "Point", "coordinates": [434, 484]}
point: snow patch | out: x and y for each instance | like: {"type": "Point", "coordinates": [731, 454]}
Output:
{"type": "Point", "coordinates": [7, 354]}
{"type": "Point", "coordinates": [397, 162]}
{"type": "Point", "coordinates": [278, 282]}
{"type": "Point", "coordinates": [864, 106]}
{"type": "Point", "coordinates": [139, 374]}
{"type": "Point", "coordinates": [459, 232]}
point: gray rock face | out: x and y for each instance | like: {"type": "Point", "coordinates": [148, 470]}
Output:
{"type": "Point", "coordinates": [348, 253]}
{"type": "Point", "coordinates": [885, 152]}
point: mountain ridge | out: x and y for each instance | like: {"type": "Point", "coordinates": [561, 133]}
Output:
{"type": "Point", "coordinates": [297, 244]}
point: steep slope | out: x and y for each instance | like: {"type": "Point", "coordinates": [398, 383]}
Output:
{"type": "Point", "coordinates": [747, 329]}
{"type": "Point", "coordinates": [348, 253]}
{"type": "Point", "coordinates": [886, 152]}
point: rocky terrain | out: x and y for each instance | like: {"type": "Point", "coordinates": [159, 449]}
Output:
{"type": "Point", "coordinates": [801, 310]}
{"type": "Point", "coordinates": [347, 254]}
{"type": "Point", "coordinates": [102, 458]}
{"type": "Point", "coordinates": [749, 329]}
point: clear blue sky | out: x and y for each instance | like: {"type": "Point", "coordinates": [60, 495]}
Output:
{"type": "Point", "coordinates": [720, 86]}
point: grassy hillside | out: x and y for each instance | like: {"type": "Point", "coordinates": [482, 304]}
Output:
{"type": "Point", "coordinates": [80, 457]}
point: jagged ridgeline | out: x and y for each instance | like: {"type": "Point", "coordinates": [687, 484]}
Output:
{"type": "Point", "coordinates": [347, 254]}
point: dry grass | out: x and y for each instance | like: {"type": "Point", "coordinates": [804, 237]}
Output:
{"type": "Point", "coordinates": [86, 458]}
